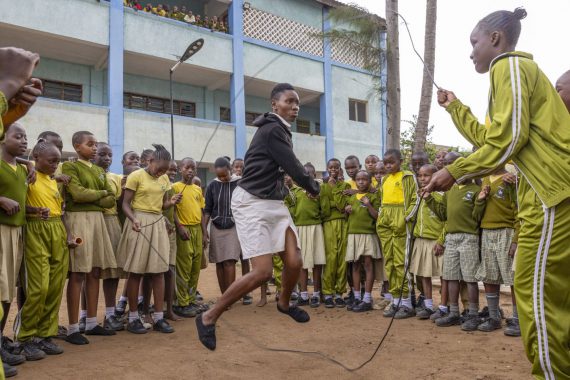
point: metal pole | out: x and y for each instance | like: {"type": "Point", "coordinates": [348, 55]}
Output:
{"type": "Point", "coordinates": [171, 116]}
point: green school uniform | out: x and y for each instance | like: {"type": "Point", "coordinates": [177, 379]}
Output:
{"type": "Point", "coordinates": [391, 227]}
{"type": "Point", "coordinates": [88, 189]}
{"type": "Point", "coordinates": [304, 210]}
{"type": "Point", "coordinates": [359, 220]}
{"type": "Point", "coordinates": [429, 225]}
{"type": "Point", "coordinates": [529, 125]}
{"type": "Point", "coordinates": [13, 185]}
{"type": "Point", "coordinates": [336, 233]}
{"type": "Point", "coordinates": [500, 207]}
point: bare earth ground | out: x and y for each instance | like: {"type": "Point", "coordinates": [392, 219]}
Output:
{"type": "Point", "coordinates": [414, 349]}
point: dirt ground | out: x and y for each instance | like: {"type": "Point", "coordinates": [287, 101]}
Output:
{"type": "Point", "coordinates": [414, 349]}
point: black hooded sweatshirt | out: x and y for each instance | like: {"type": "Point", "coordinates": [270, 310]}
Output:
{"type": "Point", "coordinates": [269, 157]}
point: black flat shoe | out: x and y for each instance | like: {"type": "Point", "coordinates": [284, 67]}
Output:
{"type": "Point", "coordinates": [76, 338]}
{"type": "Point", "coordinates": [136, 327]}
{"type": "Point", "coordinates": [207, 334]}
{"type": "Point", "coordinates": [163, 326]}
{"type": "Point", "coordinates": [100, 331]}
{"type": "Point", "coordinates": [298, 314]}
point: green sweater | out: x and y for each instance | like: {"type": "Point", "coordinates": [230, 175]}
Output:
{"type": "Point", "coordinates": [429, 225]}
{"type": "Point", "coordinates": [459, 209]}
{"type": "Point", "coordinates": [305, 211]}
{"type": "Point", "coordinates": [13, 185]}
{"type": "Point", "coordinates": [500, 207]}
{"type": "Point", "coordinates": [528, 125]}
{"type": "Point", "coordinates": [88, 189]}
{"type": "Point", "coordinates": [360, 221]}
{"type": "Point", "coordinates": [330, 195]}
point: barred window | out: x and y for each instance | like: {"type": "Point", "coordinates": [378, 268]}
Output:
{"type": "Point", "coordinates": [160, 105]}
{"type": "Point", "coordinates": [303, 126]}
{"type": "Point", "coordinates": [225, 115]}
{"type": "Point", "coordinates": [250, 117]}
{"type": "Point", "coordinates": [62, 90]}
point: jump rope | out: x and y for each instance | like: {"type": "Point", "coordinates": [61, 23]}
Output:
{"type": "Point", "coordinates": [408, 244]}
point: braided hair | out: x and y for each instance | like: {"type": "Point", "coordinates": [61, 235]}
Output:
{"type": "Point", "coordinates": [160, 153]}
{"type": "Point", "coordinates": [41, 147]}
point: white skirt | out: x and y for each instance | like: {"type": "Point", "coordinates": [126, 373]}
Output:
{"type": "Point", "coordinates": [261, 224]}
{"type": "Point", "coordinates": [362, 245]}
{"type": "Point", "coordinates": [312, 245]}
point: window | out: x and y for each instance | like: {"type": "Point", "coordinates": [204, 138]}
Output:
{"type": "Point", "coordinates": [62, 90]}
{"type": "Point", "coordinates": [225, 115]}
{"type": "Point", "coordinates": [250, 117]}
{"type": "Point", "coordinates": [160, 105]}
{"type": "Point", "coordinates": [303, 126]}
{"type": "Point", "coordinates": [357, 110]}
{"type": "Point", "coordinates": [318, 129]}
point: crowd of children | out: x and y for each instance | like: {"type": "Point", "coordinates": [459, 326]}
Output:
{"type": "Point", "coordinates": [181, 14]}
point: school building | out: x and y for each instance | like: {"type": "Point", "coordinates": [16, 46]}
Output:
{"type": "Point", "coordinates": [106, 68]}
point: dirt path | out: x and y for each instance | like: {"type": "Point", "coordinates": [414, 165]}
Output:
{"type": "Point", "coordinates": [414, 349]}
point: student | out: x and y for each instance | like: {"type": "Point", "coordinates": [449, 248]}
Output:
{"type": "Point", "coordinates": [224, 243]}
{"type": "Point", "coordinates": [171, 221]}
{"type": "Point", "coordinates": [148, 8]}
{"type": "Point", "coordinates": [145, 157]}
{"type": "Point", "coordinates": [307, 216]}
{"type": "Point", "coordinates": [535, 136]}
{"type": "Point", "coordinates": [439, 159]}
{"type": "Point", "coordinates": [335, 234]}
{"type": "Point", "coordinates": [189, 18]}
{"type": "Point", "coordinates": [130, 158]}
{"type": "Point", "coordinates": [563, 88]}
{"type": "Point", "coordinates": [459, 209]}
{"type": "Point", "coordinates": [111, 276]}
{"type": "Point", "coordinates": [13, 188]}
{"type": "Point", "coordinates": [427, 256]}
{"type": "Point", "coordinates": [370, 166]}
{"type": "Point", "coordinates": [419, 159]}
{"type": "Point", "coordinates": [499, 235]}
{"type": "Point", "coordinates": [192, 239]}
{"type": "Point", "coordinates": [86, 196]}
{"type": "Point", "coordinates": [263, 223]}
{"type": "Point", "coordinates": [398, 199]}
{"type": "Point", "coordinates": [46, 259]}
{"type": "Point", "coordinates": [379, 173]}
{"type": "Point", "coordinates": [144, 245]}
{"type": "Point", "coordinates": [362, 242]}
{"type": "Point", "coordinates": [237, 167]}
{"type": "Point", "coordinates": [351, 166]}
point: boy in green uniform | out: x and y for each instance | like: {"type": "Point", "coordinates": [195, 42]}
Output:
{"type": "Point", "coordinates": [398, 194]}
{"type": "Point", "coordinates": [499, 235]}
{"type": "Point", "coordinates": [192, 239]}
{"type": "Point", "coordinates": [335, 231]}
{"type": "Point", "coordinates": [461, 258]}
{"type": "Point", "coordinates": [528, 124]}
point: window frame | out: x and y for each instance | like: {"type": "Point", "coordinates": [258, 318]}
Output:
{"type": "Point", "coordinates": [353, 107]}
{"type": "Point", "coordinates": [62, 95]}
{"type": "Point", "coordinates": [179, 105]}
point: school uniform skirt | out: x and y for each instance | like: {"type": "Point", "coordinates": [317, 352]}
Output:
{"type": "Point", "coordinates": [11, 253]}
{"type": "Point", "coordinates": [96, 251]}
{"type": "Point", "coordinates": [362, 245]}
{"type": "Point", "coordinates": [312, 245]}
{"type": "Point", "coordinates": [146, 251]}
{"type": "Point", "coordinates": [224, 244]}
{"type": "Point", "coordinates": [261, 224]}
{"type": "Point", "coordinates": [114, 230]}
{"type": "Point", "coordinates": [424, 262]}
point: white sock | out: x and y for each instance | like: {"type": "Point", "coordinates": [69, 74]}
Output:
{"type": "Point", "coordinates": [90, 323]}
{"type": "Point", "coordinates": [388, 296]}
{"type": "Point", "coordinates": [304, 295]}
{"type": "Point", "coordinates": [140, 299]}
{"type": "Point", "coordinates": [158, 316]}
{"type": "Point", "coordinates": [72, 328]}
{"type": "Point", "coordinates": [367, 297]}
{"type": "Point", "coordinates": [83, 314]}
{"type": "Point", "coordinates": [407, 302]}
{"type": "Point", "coordinates": [133, 316]}
{"type": "Point", "coordinates": [443, 308]}
{"type": "Point", "coordinates": [337, 296]}
{"type": "Point", "coordinates": [123, 299]}
{"type": "Point", "coordinates": [109, 312]}
{"type": "Point", "coordinates": [396, 301]}
{"type": "Point", "coordinates": [428, 303]}
{"type": "Point", "coordinates": [317, 294]}
{"type": "Point", "coordinates": [357, 295]}
{"type": "Point", "coordinates": [328, 297]}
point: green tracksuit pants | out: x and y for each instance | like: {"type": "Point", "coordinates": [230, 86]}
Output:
{"type": "Point", "coordinates": [541, 284]}
{"type": "Point", "coordinates": [188, 262]}
{"type": "Point", "coordinates": [334, 273]}
{"type": "Point", "coordinates": [277, 271]}
{"type": "Point", "coordinates": [46, 259]}
{"type": "Point", "coordinates": [391, 229]}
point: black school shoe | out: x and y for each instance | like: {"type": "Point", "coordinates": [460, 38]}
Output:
{"type": "Point", "coordinates": [339, 302]}
{"type": "Point", "coordinates": [100, 331]}
{"type": "Point", "coordinates": [329, 303]}
{"type": "Point", "coordinates": [315, 302]}
{"type": "Point", "coordinates": [9, 371]}
{"type": "Point", "coordinates": [362, 307]}
{"type": "Point", "coordinates": [162, 326]}
{"type": "Point", "coordinates": [206, 334]}
{"type": "Point", "coordinates": [113, 323]}
{"type": "Point", "coordinates": [30, 350]}
{"type": "Point", "coordinates": [136, 327]}
{"type": "Point", "coordinates": [10, 358]}
{"type": "Point", "coordinates": [298, 314]}
{"type": "Point", "coordinates": [49, 347]}
{"type": "Point", "coordinates": [302, 302]}
{"type": "Point", "coordinates": [76, 338]}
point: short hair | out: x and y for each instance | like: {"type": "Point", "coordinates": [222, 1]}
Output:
{"type": "Point", "coordinates": [42, 147]}
{"type": "Point", "coordinates": [222, 162]}
{"type": "Point", "coordinates": [126, 153]}
{"type": "Point", "coordinates": [352, 157]}
{"type": "Point", "coordinates": [281, 88]}
{"type": "Point", "coordinates": [160, 153]}
{"type": "Point", "coordinates": [309, 165]}
{"type": "Point", "coordinates": [504, 21]}
{"type": "Point", "coordinates": [45, 134]}
{"type": "Point", "coordinates": [78, 137]}
{"type": "Point", "coordinates": [188, 159]}
{"type": "Point", "coordinates": [365, 172]}
{"type": "Point", "coordinates": [431, 167]}
{"type": "Point", "coordinates": [393, 152]}
{"type": "Point", "coordinates": [453, 155]}
{"type": "Point", "coordinates": [333, 160]}
{"type": "Point", "coordinates": [421, 154]}
{"type": "Point", "coordinates": [102, 143]}
{"type": "Point", "coordinates": [373, 155]}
